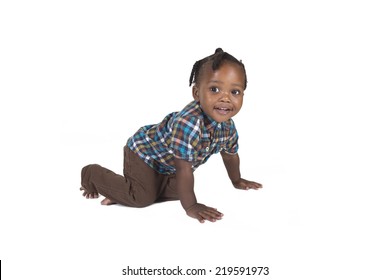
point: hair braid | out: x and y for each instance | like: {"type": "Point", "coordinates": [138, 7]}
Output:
{"type": "Point", "coordinates": [217, 58]}
{"type": "Point", "coordinates": [194, 72]}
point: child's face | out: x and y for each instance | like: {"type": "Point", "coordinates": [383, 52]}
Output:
{"type": "Point", "coordinates": [220, 93]}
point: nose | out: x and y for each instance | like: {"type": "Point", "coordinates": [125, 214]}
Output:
{"type": "Point", "coordinates": [225, 96]}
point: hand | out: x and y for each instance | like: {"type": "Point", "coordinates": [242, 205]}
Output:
{"type": "Point", "coordinates": [202, 212]}
{"type": "Point", "coordinates": [243, 184]}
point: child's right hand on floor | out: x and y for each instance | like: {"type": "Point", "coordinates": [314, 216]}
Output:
{"type": "Point", "coordinates": [202, 212]}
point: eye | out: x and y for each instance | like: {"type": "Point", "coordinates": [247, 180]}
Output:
{"type": "Point", "coordinates": [214, 89]}
{"type": "Point", "coordinates": [236, 92]}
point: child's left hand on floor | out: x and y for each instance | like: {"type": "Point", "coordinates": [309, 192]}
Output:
{"type": "Point", "coordinates": [243, 184]}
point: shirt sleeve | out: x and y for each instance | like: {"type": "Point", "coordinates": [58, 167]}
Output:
{"type": "Point", "coordinates": [185, 142]}
{"type": "Point", "coordinates": [232, 141]}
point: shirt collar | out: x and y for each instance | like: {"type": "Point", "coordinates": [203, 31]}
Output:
{"type": "Point", "coordinates": [209, 123]}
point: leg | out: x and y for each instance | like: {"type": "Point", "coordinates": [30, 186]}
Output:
{"type": "Point", "coordinates": [139, 187]}
{"type": "Point", "coordinates": [89, 190]}
{"type": "Point", "coordinates": [151, 186]}
{"type": "Point", "coordinates": [97, 179]}
{"type": "Point", "coordinates": [169, 192]}
{"type": "Point", "coordinates": [145, 182]}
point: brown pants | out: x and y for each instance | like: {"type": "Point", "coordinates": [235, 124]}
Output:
{"type": "Point", "coordinates": [139, 187]}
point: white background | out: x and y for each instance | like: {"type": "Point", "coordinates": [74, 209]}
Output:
{"type": "Point", "coordinates": [77, 78]}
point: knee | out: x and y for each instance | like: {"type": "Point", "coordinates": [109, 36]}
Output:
{"type": "Point", "coordinates": [90, 167]}
{"type": "Point", "coordinates": [88, 172]}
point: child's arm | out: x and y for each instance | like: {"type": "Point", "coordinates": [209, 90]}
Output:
{"type": "Point", "coordinates": [232, 164]}
{"type": "Point", "coordinates": [185, 190]}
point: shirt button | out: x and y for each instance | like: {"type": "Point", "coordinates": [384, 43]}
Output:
{"type": "Point", "coordinates": [219, 125]}
{"type": "Point", "coordinates": [207, 149]}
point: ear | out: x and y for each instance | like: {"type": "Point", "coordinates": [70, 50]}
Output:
{"type": "Point", "coordinates": [195, 93]}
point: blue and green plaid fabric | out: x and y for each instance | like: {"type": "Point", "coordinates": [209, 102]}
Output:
{"type": "Point", "coordinates": [189, 135]}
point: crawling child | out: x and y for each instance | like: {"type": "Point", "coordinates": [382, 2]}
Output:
{"type": "Point", "coordinates": [159, 160]}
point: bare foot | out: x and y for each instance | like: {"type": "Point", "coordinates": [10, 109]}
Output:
{"type": "Point", "coordinates": [88, 195]}
{"type": "Point", "coordinates": [107, 201]}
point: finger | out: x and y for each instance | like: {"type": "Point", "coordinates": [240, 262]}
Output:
{"type": "Point", "coordinates": [212, 211]}
{"type": "Point", "coordinates": [207, 216]}
{"type": "Point", "coordinates": [256, 185]}
{"type": "Point", "coordinates": [215, 213]}
{"type": "Point", "coordinates": [200, 219]}
{"type": "Point", "coordinates": [211, 216]}
{"type": "Point", "coordinates": [253, 185]}
{"type": "Point", "coordinates": [242, 187]}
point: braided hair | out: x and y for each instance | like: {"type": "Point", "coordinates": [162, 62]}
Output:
{"type": "Point", "coordinates": [217, 58]}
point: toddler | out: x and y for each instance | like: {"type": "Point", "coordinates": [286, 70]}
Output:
{"type": "Point", "coordinates": [159, 160]}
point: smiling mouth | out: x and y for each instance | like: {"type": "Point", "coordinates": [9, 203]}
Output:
{"type": "Point", "coordinates": [223, 110]}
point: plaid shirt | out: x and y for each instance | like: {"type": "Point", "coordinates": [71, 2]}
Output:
{"type": "Point", "coordinates": [188, 135]}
